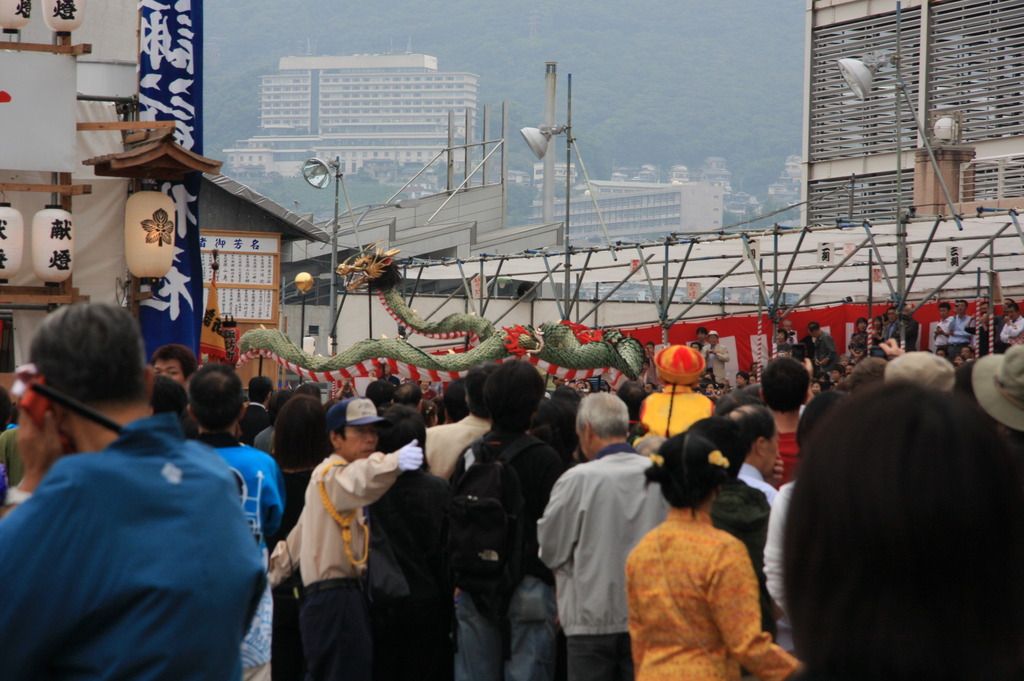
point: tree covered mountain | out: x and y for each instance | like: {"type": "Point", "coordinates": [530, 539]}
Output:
{"type": "Point", "coordinates": [652, 81]}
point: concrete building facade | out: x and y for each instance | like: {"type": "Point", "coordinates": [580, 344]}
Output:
{"type": "Point", "coordinates": [636, 211]}
{"type": "Point", "coordinates": [963, 64]}
{"type": "Point", "coordinates": [366, 110]}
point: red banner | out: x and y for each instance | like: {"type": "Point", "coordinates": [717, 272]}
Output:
{"type": "Point", "coordinates": [739, 333]}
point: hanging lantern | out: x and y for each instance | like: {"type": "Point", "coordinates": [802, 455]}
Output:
{"type": "Point", "coordinates": [53, 247]}
{"type": "Point", "coordinates": [12, 241]}
{"type": "Point", "coordinates": [63, 16]}
{"type": "Point", "coordinates": [14, 14]}
{"type": "Point", "coordinates": [149, 219]}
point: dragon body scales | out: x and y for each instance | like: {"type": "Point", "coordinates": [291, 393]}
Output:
{"type": "Point", "coordinates": [569, 350]}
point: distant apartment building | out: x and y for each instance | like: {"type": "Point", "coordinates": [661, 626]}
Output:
{"type": "Point", "coordinates": [538, 174]}
{"type": "Point", "coordinates": [640, 211]}
{"type": "Point", "coordinates": [786, 189]}
{"type": "Point", "coordinates": [962, 61]}
{"type": "Point", "coordinates": [370, 111]}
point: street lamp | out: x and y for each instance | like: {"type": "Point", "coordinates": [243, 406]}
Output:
{"type": "Point", "coordinates": [859, 74]}
{"type": "Point", "coordinates": [303, 282]}
{"type": "Point", "coordinates": [318, 174]}
{"type": "Point", "coordinates": [539, 141]}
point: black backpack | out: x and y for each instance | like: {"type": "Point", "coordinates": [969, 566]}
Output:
{"type": "Point", "coordinates": [485, 526]}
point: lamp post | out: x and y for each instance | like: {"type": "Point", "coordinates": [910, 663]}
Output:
{"type": "Point", "coordinates": [304, 283]}
{"type": "Point", "coordinates": [859, 75]}
{"type": "Point", "coordinates": [318, 174]}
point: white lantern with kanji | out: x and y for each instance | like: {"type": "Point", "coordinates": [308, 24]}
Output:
{"type": "Point", "coordinates": [14, 14]}
{"type": "Point", "coordinates": [53, 239]}
{"type": "Point", "coordinates": [149, 219]}
{"type": "Point", "coordinates": [63, 16]}
{"type": "Point", "coordinates": [12, 241]}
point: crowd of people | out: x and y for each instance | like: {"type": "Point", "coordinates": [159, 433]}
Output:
{"type": "Point", "coordinates": [165, 522]}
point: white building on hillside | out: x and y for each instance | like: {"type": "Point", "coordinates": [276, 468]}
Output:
{"type": "Point", "coordinates": [367, 110]}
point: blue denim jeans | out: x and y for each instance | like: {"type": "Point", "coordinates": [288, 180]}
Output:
{"type": "Point", "coordinates": [532, 618]}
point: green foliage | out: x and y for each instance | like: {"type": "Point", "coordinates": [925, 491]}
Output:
{"type": "Point", "coordinates": [519, 202]}
{"type": "Point", "coordinates": [653, 82]}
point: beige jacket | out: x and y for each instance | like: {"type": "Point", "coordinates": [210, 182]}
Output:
{"type": "Point", "coordinates": [446, 443]}
{"type": "Point", "coordinates": [315, 544]}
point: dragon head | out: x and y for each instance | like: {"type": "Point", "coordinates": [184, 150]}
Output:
{"type": "Point", "coordinates": [373, 267]}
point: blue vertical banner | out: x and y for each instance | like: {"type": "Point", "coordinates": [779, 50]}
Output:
{"type": "Point", "coordinates": [170, 89]}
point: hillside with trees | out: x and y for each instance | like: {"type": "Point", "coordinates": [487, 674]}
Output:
{"type": "Point", "coordinates": [652, 82]}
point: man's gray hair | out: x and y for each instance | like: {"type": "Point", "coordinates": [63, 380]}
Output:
{"type": "Point", "coordinates": [606, 414]}
{"type": "Point", "coordinates": [92, 352]}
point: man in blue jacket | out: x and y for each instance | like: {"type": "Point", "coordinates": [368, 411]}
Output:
{"type": "Point", "coordinates": [216, 403]}
{"type": "Point", "coordinates": [130, 559]}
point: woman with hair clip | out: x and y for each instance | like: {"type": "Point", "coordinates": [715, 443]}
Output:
{"type": "Point", "coordinates": [693, 598]}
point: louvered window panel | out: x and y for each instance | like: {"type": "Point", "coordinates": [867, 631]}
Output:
{"type": "Point", "coordinates": [992, 179]}
{"type": "Point", "coordinates": [842, 126]}
{"type": "Point", "coordinates": [977, 65]}
{"type": "Point", "coordinates": [874, 198]}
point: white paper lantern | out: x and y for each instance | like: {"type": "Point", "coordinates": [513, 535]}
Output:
{"type": "Point", "coordinates": [63, 16]}
{"type": "Point", "coordinates": [12, 241]}
{"type": "Point", "coordinates": [53, 239]}
{"type": "Point", "coordinates": [149, 220]}
{"type": "Point", "coordinates": [14, 14]}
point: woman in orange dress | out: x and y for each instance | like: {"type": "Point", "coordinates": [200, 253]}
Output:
{"type": "Point", "coordinates": [694, 612]}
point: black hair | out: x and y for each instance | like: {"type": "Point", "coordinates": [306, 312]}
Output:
{"type": "Point", "coordinates": [277, 401]}
{"type": "Point", "coordinates": [408, 394]}
{"type": "Point", "coordinates": [813, 326]}
{"type": "Point", "coordinates": [439, 407]}
{"type": "Point", "coordinates": [168, 396]}
{"type": "Point", "coordinates": [744, 374]}
{"type": "Point", "coordinates": [300, 434]}
{"type": "Point", "coordinates": [512, 394]}
{"type": "Point", "coordinates": [309, 389]}
{"type": "Point", "coordinates": [686, 476]}
{"type": "Point", "coordinates": [726, 435]}
{"type": "Point", "coordinates": [754, 421]}
{"type": "Point", "coordinates": [702, 329]}
{"type": "Point", "coordinates": [454, 397]}
{"type": "Point", "coordinates": [736, 398]}
{"type": "Point", "coordinates": [945, 305]}
{"type": "Point", "coordinates": [814, 412]}
{"type": "Point", "coordinates": [380, 392]}
{"type": "Point", "coordinates": [186, 358]}
{"type": "Point", "coordinates": [633, 394]}
{"type": "Point", "coordinates": [215, 395]}
{"type": "Point", "coordinates": [903, 543]}
{"type": "Point", "coordinates": [1010, 305]}
{"type": "Point", "coordinates": [259, 388]}
{"type": "Point", "coordinates": [784, 383]}
{"type": "Point", "coordinates": [570, 396]}
{"type": "Point", "coordinates": [555, 424]}
{"type": "Point", "coordinates": [476, 378]}
{"type": "Point", "coordinates": [6, 407]}
{"type": "Point", "coordinates": [92, 352]}
{"type": "Point", "coordinates": [861, 319]}
{"type": "Point", "coordinates": [406, 425]}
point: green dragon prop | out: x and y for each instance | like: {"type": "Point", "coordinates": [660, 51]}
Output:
{"type": "Point", "coordinates": [568, 350]}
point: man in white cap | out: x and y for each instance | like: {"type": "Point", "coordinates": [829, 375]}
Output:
{"type": "Point", "coordinates": [330, 544]}
{"type": "Point", "coordinates": [717, 355]}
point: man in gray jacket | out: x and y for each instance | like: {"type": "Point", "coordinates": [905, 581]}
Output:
{"type": "Point", "coordinates": [598, 511]}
